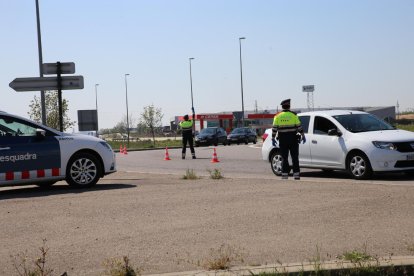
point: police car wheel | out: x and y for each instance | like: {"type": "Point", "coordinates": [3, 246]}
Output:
{"type": "Point", "coordinates": [276, 163]}
{"type": "Point", "coordinates": [83, 170]}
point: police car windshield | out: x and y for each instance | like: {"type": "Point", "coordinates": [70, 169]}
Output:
{"type": "Point", "coordinates": [10, 127]}
{"type": "Point", "coordinates": [362, 123]}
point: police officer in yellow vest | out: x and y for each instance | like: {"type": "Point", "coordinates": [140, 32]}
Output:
{"type": "Point", "coordinates": [286, 127]}
{"type": "Point", "coordinates": [187, 130]}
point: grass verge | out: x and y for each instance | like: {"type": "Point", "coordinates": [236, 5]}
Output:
{"type": "Point", "coordinates": [190, 175]}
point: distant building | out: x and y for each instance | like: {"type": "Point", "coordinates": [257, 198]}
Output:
{"type": "Point", "coordinates": [261, 121]}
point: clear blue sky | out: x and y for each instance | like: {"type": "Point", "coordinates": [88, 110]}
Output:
{"type": "Point", "coordinates": [356, 53]}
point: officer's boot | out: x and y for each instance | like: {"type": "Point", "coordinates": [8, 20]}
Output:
{"type": "Point", "coordinates": [285, 176]}
{"type": "Point", "coordinates": [193, 154]}
{"type": "Point", "coordinates": [183, 156]}
{"type": "Point", "coordinates": [296, 176]}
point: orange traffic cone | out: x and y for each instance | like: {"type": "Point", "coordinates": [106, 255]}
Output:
{"type": "Point", "coordinates": [125, 150]}
{"type": "Point", "coordinates": [167, 156]}
{"type": "Point", "coordinates": [214, 159]}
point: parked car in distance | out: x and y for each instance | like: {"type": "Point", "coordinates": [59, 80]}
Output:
{"type": "Point", "coordinates": [33, 154]}
{"type": "Point", "coordinates": [242, 135]}
{"type": "Point", "coordinates": [350, 140]}
{"type": "Point", "coordinates": [211, 136]}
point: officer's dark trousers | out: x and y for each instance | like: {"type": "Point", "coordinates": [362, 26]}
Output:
{"type": "Point", "coordinates": [288, 143]}
{"type": "Point", "coordinates": [188, 138]}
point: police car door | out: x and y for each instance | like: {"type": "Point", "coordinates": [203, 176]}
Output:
{"type": "Point", "coordinates": [25, 155]}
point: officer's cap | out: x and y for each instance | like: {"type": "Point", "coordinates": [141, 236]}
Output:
{"type": "Point", "coordinates": [285, 102]}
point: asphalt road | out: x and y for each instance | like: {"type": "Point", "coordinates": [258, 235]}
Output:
{"type": "Point", "coordinates": [236, 161]}
{"type": "Point", "coordinates": [166, 224]}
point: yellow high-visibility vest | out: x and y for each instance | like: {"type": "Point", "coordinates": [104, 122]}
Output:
{"type": "Point", "coordinates": [186, 126]}
{"type": "Point", "coordinates": [286, 121]}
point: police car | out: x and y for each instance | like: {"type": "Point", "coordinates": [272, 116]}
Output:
{"type": "Point", "coordinates": [31, 153]}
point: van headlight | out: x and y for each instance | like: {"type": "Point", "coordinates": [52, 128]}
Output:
{"type": "Point", "coordinates": [384, 145]}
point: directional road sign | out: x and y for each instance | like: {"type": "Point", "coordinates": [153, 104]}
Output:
{"type": "Point", "coordinates": [46, 83]}
{"type": "Point", "coordinates": [65, 68]}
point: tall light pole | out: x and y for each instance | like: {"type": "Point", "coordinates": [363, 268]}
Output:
{"type": "Point", "coordinates": [96, 105]}
{"type": "Point", "coordinates": [39, 48]}
{"type": "Point", "coordinates": [191, 86]}
{"type": "Point", "coordinates": [126, 98]}
{"type": "Point", "coordinates": [241, 78]}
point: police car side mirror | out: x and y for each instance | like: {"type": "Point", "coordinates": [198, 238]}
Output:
{"type": "Point", "coordinates": [40, 133]}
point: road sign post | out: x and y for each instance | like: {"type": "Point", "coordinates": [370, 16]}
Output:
{"type": "Point", "coordinates": [58, 83]}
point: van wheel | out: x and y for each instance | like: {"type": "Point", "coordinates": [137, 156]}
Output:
{"type": "Point", "coordinates": [83, 170]}
{"type": "Point", "coordinates": [276, 163]}
{"type": "Point", "coordinates": [359, 166]}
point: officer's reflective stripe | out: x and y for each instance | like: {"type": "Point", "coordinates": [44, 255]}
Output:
{"type": "Point", "coordinates": [9, 176]}
{"type": "Point", "coordinates": [292, 129]}
{"type": "Point", "coordinates": [287, 126]}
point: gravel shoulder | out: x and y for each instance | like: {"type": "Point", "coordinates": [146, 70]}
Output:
{"type": "Point", "coordinates": [166, 224]}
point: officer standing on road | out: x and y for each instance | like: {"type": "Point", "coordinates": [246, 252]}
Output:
{"type": "Point", "coordinates": [187, 129]}
{"type": "Point", "coordinates": [286, 126]}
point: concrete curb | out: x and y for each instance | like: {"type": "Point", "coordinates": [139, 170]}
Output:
{"type": "Point", "coordinates": [295, 267]}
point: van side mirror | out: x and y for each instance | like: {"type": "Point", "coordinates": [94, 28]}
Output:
{"type": "Point", "coordinates": [334, 132]}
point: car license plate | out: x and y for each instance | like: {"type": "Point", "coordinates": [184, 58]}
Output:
{"type": "Point", "coordinates": [410, 157]}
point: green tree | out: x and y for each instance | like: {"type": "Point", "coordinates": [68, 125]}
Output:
{"type": "Point", "coordinates": [52, 111]}
{"type": "Point", "coordinates": [151, 119]}
{"type": "Point", "coordinates": [121, 127]}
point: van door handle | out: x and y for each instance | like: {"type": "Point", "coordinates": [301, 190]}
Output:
{"type": "Point", "coordinates": [314, 142]}
{"type": "Point", "coordinates": [6, 148]}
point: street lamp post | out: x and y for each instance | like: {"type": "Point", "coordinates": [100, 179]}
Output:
{"type": "Point", "coordinates": [241, 79]}
{"type": "Point", "coordinates": [126, 98]}
{"type": "Point", "coordinates": [39, 48]}
{"type": "Point", "coordinates": [96, 105]}
{"type": "Point", "coordinates": [191, 86]}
